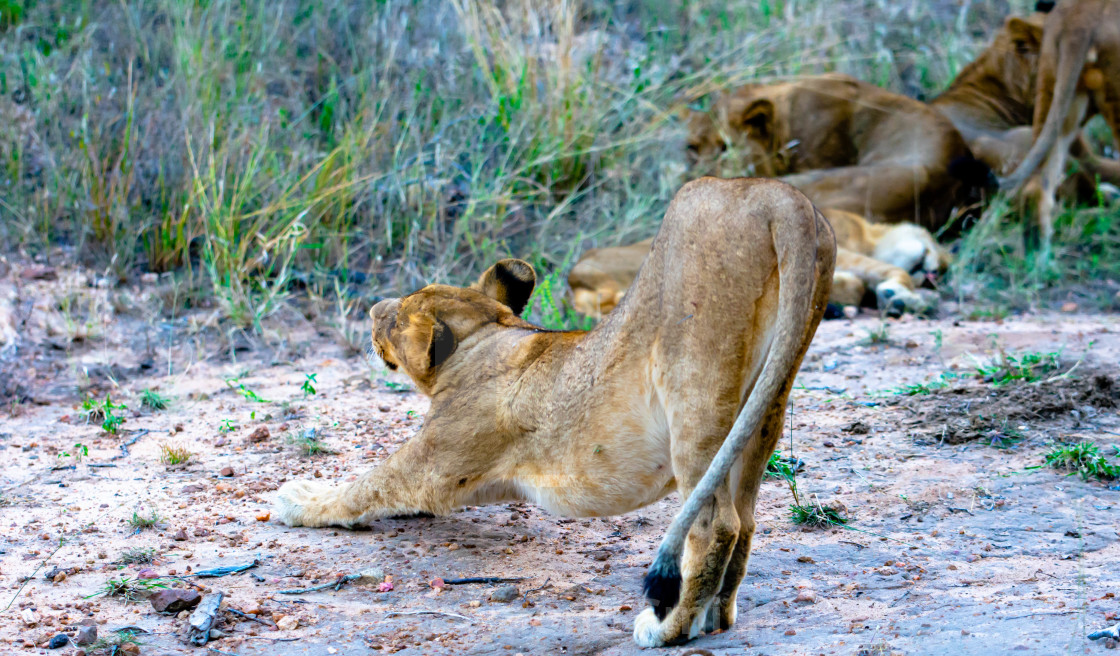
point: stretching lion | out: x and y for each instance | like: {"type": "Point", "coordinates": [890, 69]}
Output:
{"type": "Point", "coordinates": [682, 387]}
{"type": "Point", "coordinates": [876, 264]}
{"type": "Point", "coordinates": [1078, 77]}
{"type": "Point", "coordinates": [846, 144]}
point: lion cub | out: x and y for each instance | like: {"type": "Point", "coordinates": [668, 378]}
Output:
{"type": "Point", "coordinates": [682, 388]}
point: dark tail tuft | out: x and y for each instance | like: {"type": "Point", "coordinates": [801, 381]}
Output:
{"type": "Point", "coordinates": [662, 586]}
{"type": "Point", "coordinates": [973, 172]}
{"type": "Point", "coordinates": [1044, 6]}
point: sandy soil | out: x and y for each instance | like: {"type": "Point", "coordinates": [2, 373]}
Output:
{"type": "Point", "coordinates": [955, 547]}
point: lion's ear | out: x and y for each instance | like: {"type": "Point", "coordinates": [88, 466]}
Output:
{"type": "Point", "coordinates": [757, 120]}
{"type": "Point", "coordinates": [429, 342]}
{"type": "Point", "coordinates": [509, 282]}
{"type": "Point", "coordinates": [1026, 36]}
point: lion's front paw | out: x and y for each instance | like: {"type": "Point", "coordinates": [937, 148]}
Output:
{"type": "Point", "coordinates": [305, 503]}
{"type": "Point", "coordinates": [647, 629]}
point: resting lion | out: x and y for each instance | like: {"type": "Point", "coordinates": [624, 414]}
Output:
{"type": "Point", "coordinates": [846, 144]}
{"type": "Point", "coordinates": [682, 387]}
{"type": "Point", "coordinates": [1078, 77]}
{"type": "Point", "coordinates": [876, 263]}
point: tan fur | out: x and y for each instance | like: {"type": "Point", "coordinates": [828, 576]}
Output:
{"type": "Point", "coordinates": [1078, 76]}
{"type": "Point", "coordinates": [606, 421]}
{"type": "Point", "coordinates": [845, 143]}
{"type": "Point", "coordinates": [869, 257]}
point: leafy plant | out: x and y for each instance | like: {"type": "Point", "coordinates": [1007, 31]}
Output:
{"type": "Point", "coordinates": [103, 411]}
{"type": "Point", "coordinates": [880, 335]}
{"type": "Point", "coordinates": [128, 588]}
{"type": "Point", "coordinates": [308, 386]}
{"type": "Point", "coordinates": [815, 515]}
{"type": "Point", "coordinates": [1028, 367]}
{"type": "Point", "coordinates": [309, 443]}
{"type": "Point", "coordinates": [227, 426]}
{"type": "Point", "coordinates": [80, 451]}
{"type": "Point", "coordinates": [137, 556]}
{"type": "Point", "coordinates": [1084, 459]}
{"type": "Point", "coordinates": [152, 400]}
{"type": "Point", "coordinates": [244, 391]}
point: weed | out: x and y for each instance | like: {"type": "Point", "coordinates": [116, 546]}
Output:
{"type": "Point", "coordinates": [814, 515]}
{"type": "Point", "coordinates": [244, 391]}
{"type": "Point", "coordinates": [152, 400]}
{"type": "Point", "coordinates": [140, 522]}
{"type": "Point", "coordinates": [308, 386]}
{"type": "Point", "coordinates": [308, 443]}
{"type": "Point", "coordinates": [103, 411]}
{"type": "Point", "coordinates": [227, 426]}
{"type": "Point", "coordinates": [174, 454]}
{"type": "Point", "coordinates": [137, 556]}
{"type": "Point", "coordinates": [1028, 367]}
{"type": "Point", "coordinates": [399, 388]}
{"type": "Point", "coordinates": [550, 310]}
{"type": "Point", "coordinates": [112, 643]}
{"type": "Point", "coordinates": [1084, 459]}
{"type": "Point", "coordinates": [128, 588]}
{"type": "Point", "coordinates": [879, 336]}
{"type": "Point", "coordinates": [80, 451]}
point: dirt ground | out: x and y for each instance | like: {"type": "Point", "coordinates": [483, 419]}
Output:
{"type": "Point", "coordinates": [958, 544]}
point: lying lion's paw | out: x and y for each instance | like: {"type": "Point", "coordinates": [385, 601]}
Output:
{"type": "Point", "coordinates": [895, 300]}
{"type": "Point", "coordinates": [296, 500]}
{"type": "Point", "coordinates": [647, 629]}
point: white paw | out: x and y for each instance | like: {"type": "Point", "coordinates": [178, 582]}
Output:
{"type": "Point", "coordinates": [293, 499]}
{"type": "Point", "coordinates": [647, 629]}
{"type": "Point", "coordinates": [895, 299]}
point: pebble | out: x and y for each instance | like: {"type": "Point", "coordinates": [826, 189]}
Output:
{"type": "Point", "coordinates": [504, 594]}
{"type": "Point", "coordinates": [227, 471]}
{"type": "Point", "coordinates": [806, 597]}
{"type": "Point", "coordinates": [58, 641]}
{"type": "Point", "coordinates": [217, 634]}
{"type": "Point", "coordinates": [263, 516]}
{"type": "Point", "coordinates": [287, 623]}
{"type": "Point", "coordinates": [259, 435]}
{"type": "Point", "coordinates": [29, 617]}
{"type": "Point", "coordinates": [87, 635]}
{"type": "Point", "coordinates": [174, 600]}
{"type": "Point", "coordinates": [130, 648]}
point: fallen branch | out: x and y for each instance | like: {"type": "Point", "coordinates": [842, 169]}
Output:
{"type": "Point", "coordinates": [484, 579]}
{"type": "Point", "coordinates": [225, 571]}
{"type": "Point", "coordinates": [429, 612]}
{"type": "Point", "coordinates": [252, 618]}
{"type": "Point", "coordinates": [337, 585]}
{"type": "Point", "coordinates": [98, 465]}
{"type": "Point", "coordinates": [1111, 632]}
{"type": "Point", "coordinates": [203, 618]}
{"type": "Point", "coordinates": [525, 597]}
{"type": "Point", "coordinates": [124, 446]}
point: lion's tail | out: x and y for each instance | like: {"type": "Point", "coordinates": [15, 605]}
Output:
{"type": "Point", "coordinates": [800, 273]}
{"type": "Point", "coordinates": [1071, 59]}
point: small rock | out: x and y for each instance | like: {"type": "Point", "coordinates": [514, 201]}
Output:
{"type": "Point", "coordinates": [58, 641]}
{"type": "Point", "coordinates": [791, 631]}
{"type": "Point", "coordinates": [180, 535]}
{"type": "Point", "coordinates": [806, 597]}
{"type": "Point", "coordinates": [147, 573]}
{"type": "Point", "coordinates": [227, 471]}
{"type": "Point", "coordinates": [504, 594]}
{"type": "Point", "coordinates": [87, 635]}
{"type": "Point", "coordinates": [287, 623]}
{"type": "Point", "coordinates": [263, 516]}
{"type": "Point", "coordinates": [173, 600]}
{"type": "Point", "coordinates": [130, 649]}
{"type": "Point", "coordinates": [851, 312]}
{"type": "Point", "coordinates": [259, 435]}
{"type": "Point", "coordinates": [437, 583]}
{"type": "Point", "coordinates": [216, 634]}
{"type": "Point", "coordinates": [39, 273]}
{"type": "Point", "coordinates": [599, 554]}
{"type": "Point", "coordinates": [29, 617]}
{"type": "Point", "coordinates": [149, 278]}
{"type": "Point", "coordinates": [1069, 307]}
{"type": "Point", "coordinates": [806, 559]}
{"type": "Point", "coordinates": [625, 607]}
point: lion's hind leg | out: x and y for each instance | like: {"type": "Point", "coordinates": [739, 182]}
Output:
{"type": "Point", "coordinates": [683, 600]}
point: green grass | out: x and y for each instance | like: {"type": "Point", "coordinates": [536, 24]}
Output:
{"type": "Point", "coordinates": [814, 515]}
{"type": "Point", "coordinates": [174, 454]}
{"type": "Point", "coordinates": [129, 589]}
{"type": "Point", "coordinates": [1083, 459]}
{"type": "Point", "coordinates": [152, 400]}
{"type": "Point", "coordinates": [1026, 367]}
{"type": "Point", "coordinates": [308, 444]}
{"type": "Point", "coordinates": [879, 336]}
{"type": "Point", "coordinates": [141, 522]}
{"type": "Point", "coordinates": [137, 556]}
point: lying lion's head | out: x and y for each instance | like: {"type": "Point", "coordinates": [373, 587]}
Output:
{"type": "Point", "coordinates": [422, 331]}
{"type": "Point", "coordinates": [742, 122]}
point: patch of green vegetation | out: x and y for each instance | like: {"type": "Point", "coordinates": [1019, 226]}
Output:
{"type": "Point", "coordinates": [244, 391]}
{"type": "Point", "coordinates": [227, 426]}
{"type": "Point", "coordinates": [152, 400]}
{"type": "Point", "coordinates": [141, 522]}
{"type": "Point", "coordinates": [1027, 367]}
{"type": "Point", "coordinates": [112, 643]}
{"type": "Point", "coordinates": [308, 386]}
{"type": "Point", "coordinates": [137, 556]}
{"type": "Point", "coordinates": [549, 309]}
{"type": "Point", "coordinates": [1083, 459]}
{"type": "Point", "coordinates": [80, 451]}
{"type": "Point", "coordinates": [103, 411]}
{"type": "Point", "coordinates": [308, 443]}
{"type": "Point", "coordinates": [128, 588]}
{"type": "Point", "coordinates": [879, 336]}
{"type": "Point", "coordinates": [174, 454]}
{"type": "Point", "coordinates": [815, 515]}
{"type": "Point", "coordinates": [400, 388]}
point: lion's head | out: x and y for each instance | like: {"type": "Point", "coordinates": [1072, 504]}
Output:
{"type": "Point", "coordinates": [742, 123]}
{"type": "Point", "coordinates": [421, 332]}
